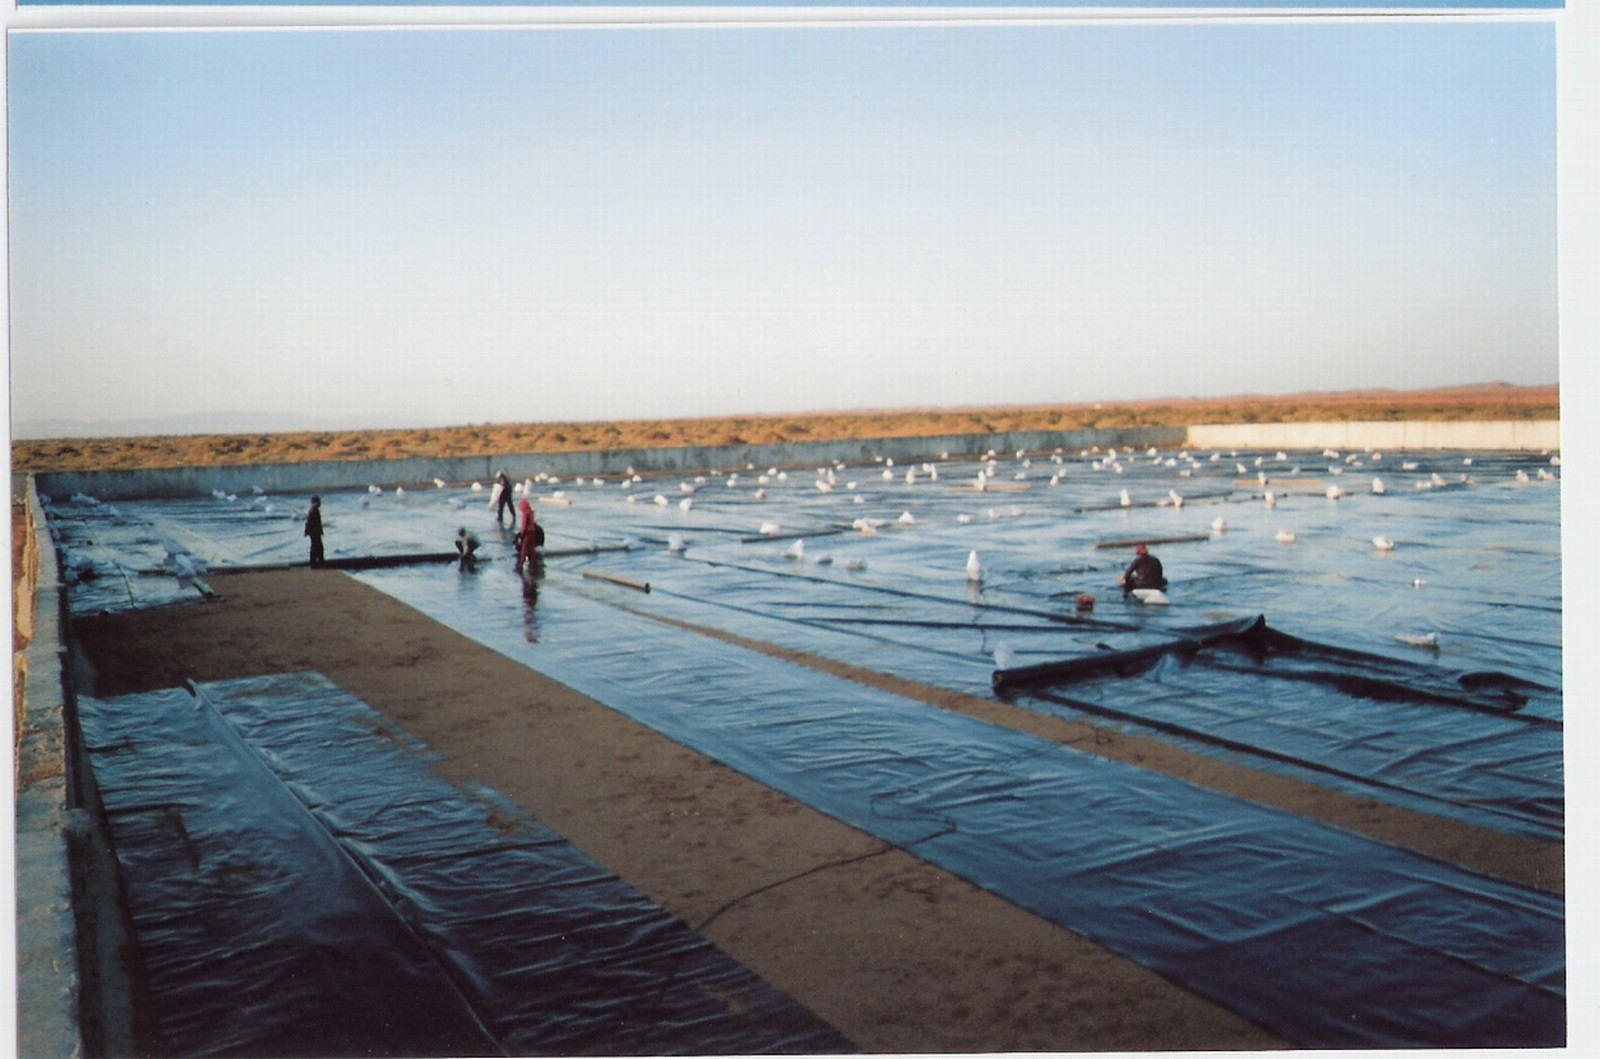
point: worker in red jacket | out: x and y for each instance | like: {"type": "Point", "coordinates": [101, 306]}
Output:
{"type": "Point", "coordinates": [529, 538]}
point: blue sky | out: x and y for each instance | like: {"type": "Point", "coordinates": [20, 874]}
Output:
{"type": "Point", "coordinates": [385, 228]}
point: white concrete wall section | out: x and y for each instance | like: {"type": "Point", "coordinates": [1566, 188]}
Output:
{"type": "Point", "coordinates": [1486, 436]}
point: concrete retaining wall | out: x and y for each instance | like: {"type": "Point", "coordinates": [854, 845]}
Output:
{"type": "Point", "coordinates": [48, 985]}
{"type": "Point", "coordinates": [74, 993]}
{"type": "Point", "coordinates": [1486, 436]}
{"type": "Point", "coordinates": [331, 476]}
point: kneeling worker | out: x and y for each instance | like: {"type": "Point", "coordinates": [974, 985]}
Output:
{"type": "Point", "coordinates": [1143, 572]}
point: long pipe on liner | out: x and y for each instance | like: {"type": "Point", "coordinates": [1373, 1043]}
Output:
{"type": "Point", "coordinates": [1126, 542]}
{"type": "Point", "coordinates": [378, 562]}
{"type": "Point", "coordinates": [638, 586]}
{"type": "Point", "coordinates": [739, 608]}
{"type": "Point", "coordinates": [1067, 619]}
{"type": "Point", "coordinates": [1211, 495]}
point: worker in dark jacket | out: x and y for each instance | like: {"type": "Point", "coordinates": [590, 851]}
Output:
{"type": "Point", "coordinates": [466, 549]}
{"type": "Point", "coordinates": [1143, 572]}
{"type": "Point", "coordinates": [314, 530]}
{"type": "Point", "coordinates": [502, 497]}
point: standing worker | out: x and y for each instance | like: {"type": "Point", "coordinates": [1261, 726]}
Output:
{"type": "Point", "coordinates": [314, 530]}
{"type": "Point", "coordinates": [530, 538]}
{"type": "Point", "coordinates": [502, 497]}
{"type": "Point", "coordinates": [1143, 572]}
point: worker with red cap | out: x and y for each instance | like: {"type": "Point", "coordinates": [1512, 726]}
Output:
{"type": "Point", "coordinates": [1143, 572]}
{"type": "Point", "coordinates": [529, 538]}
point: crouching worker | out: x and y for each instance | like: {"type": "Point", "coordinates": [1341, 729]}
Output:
{"type": "Point", "coordinates": [466, 549]}
{"type": "Point", "coordinates": [530, 538]}
{"type": "Point", "coordinates": [1143, 572]}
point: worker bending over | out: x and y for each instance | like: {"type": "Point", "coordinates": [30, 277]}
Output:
{"type": "Point", "coordinates": [466, 549]}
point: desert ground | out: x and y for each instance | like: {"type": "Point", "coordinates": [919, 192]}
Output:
{"type": "Point", "coordinates": [205, 450]}
{"type": "Point", "coordinates": [897, 954]}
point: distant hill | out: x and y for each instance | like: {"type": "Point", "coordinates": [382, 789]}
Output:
{"type": "Point", "coordinates": [242, 447]}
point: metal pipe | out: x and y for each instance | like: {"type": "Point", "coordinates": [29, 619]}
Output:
{"type": "Point", "coordinates": [1128, 542]}
{"type": "Point", "coordinates": [638, 586]}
